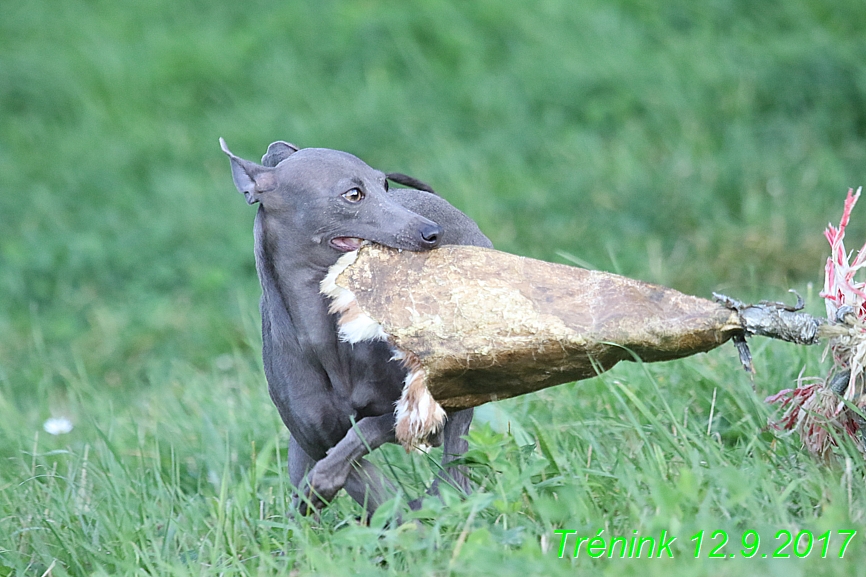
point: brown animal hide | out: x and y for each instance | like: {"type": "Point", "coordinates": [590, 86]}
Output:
{"type": "Point", "coordinates": [475, 325]}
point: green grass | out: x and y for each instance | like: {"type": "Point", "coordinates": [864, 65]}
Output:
{"type": "Point", "coordinates": [701, 145]}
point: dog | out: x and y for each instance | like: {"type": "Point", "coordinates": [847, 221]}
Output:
{"type": "Point", "coordinates": [337, 399]}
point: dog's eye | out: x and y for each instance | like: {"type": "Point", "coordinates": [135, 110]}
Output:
{"type": "Point", "coordinates": [354, 195]}
{"type": "Point", "coordinates": [386, 185]}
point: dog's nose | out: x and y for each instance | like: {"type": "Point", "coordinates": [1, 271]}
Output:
{"type": "Point", "coordinates": [431, 234]}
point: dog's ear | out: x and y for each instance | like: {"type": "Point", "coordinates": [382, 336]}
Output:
{"type": "Point", "coordinates": [250, 178]}
{"type": "Point", "coordinates": [409, 181]}
{"type": "Point", "coordinates": [277, 152]}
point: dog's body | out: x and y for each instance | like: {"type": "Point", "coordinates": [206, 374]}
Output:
{"type": "Point", "coordinates": [336, 399]}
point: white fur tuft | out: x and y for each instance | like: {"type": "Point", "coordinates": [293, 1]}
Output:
{"type": "Point", "coordinates": [402, 408]}
{"type": "Point", "coordinates": [418, 415]}
{"type": "Point", "coordinates": [362, 328]}
{"type": "Point", "coordinates": [344, 299]}
{"type": "Point", "coordinates": [328, 286]}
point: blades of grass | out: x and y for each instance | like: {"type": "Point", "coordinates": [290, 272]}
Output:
{"type": "Point", "coordinates": [651, 418]}
{"type": "Point", "coordinates": [70, 550]}
{"type": "Point", "coordinates": [546, 449]}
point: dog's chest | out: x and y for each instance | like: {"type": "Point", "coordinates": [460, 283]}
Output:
{"type": "Point", "coordinates": [368, 378]}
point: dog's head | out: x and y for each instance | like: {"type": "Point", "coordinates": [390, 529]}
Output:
{"type": "Point", "coordinates": [331, 198]}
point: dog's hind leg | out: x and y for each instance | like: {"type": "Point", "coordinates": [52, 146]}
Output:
{"type": "Point", "coordinates": [454, 445]}
{"type": "Point", "coordinates": [330, 474]}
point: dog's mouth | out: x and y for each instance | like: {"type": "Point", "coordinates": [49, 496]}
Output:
{"type": "Point", "coordinates": [347, 243]}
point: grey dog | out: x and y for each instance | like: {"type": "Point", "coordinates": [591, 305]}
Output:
{"type": "Point", "coordinates": [336, 399]}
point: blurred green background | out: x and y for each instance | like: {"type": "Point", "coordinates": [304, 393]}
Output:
{"type": "Point", "coordinates": [703, 145]}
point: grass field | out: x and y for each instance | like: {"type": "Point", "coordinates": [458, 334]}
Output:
{"type": "Point", "coordinates": [700, 145]}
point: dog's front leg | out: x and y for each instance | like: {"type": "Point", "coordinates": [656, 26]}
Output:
{"type": "Point", "coordinates": [330, 474]}
{"type": "Point", "coordinates": [300, 463]}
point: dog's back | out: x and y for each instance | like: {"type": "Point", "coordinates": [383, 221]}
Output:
{"type": "Point", "coordinates": [457, 227]}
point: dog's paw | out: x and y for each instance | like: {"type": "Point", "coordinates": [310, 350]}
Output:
{"type": "Point", "coordinates": [323, 484]}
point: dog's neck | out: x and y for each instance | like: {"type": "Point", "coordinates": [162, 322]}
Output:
{"type": "Point", "coordinates": [290, 290]}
